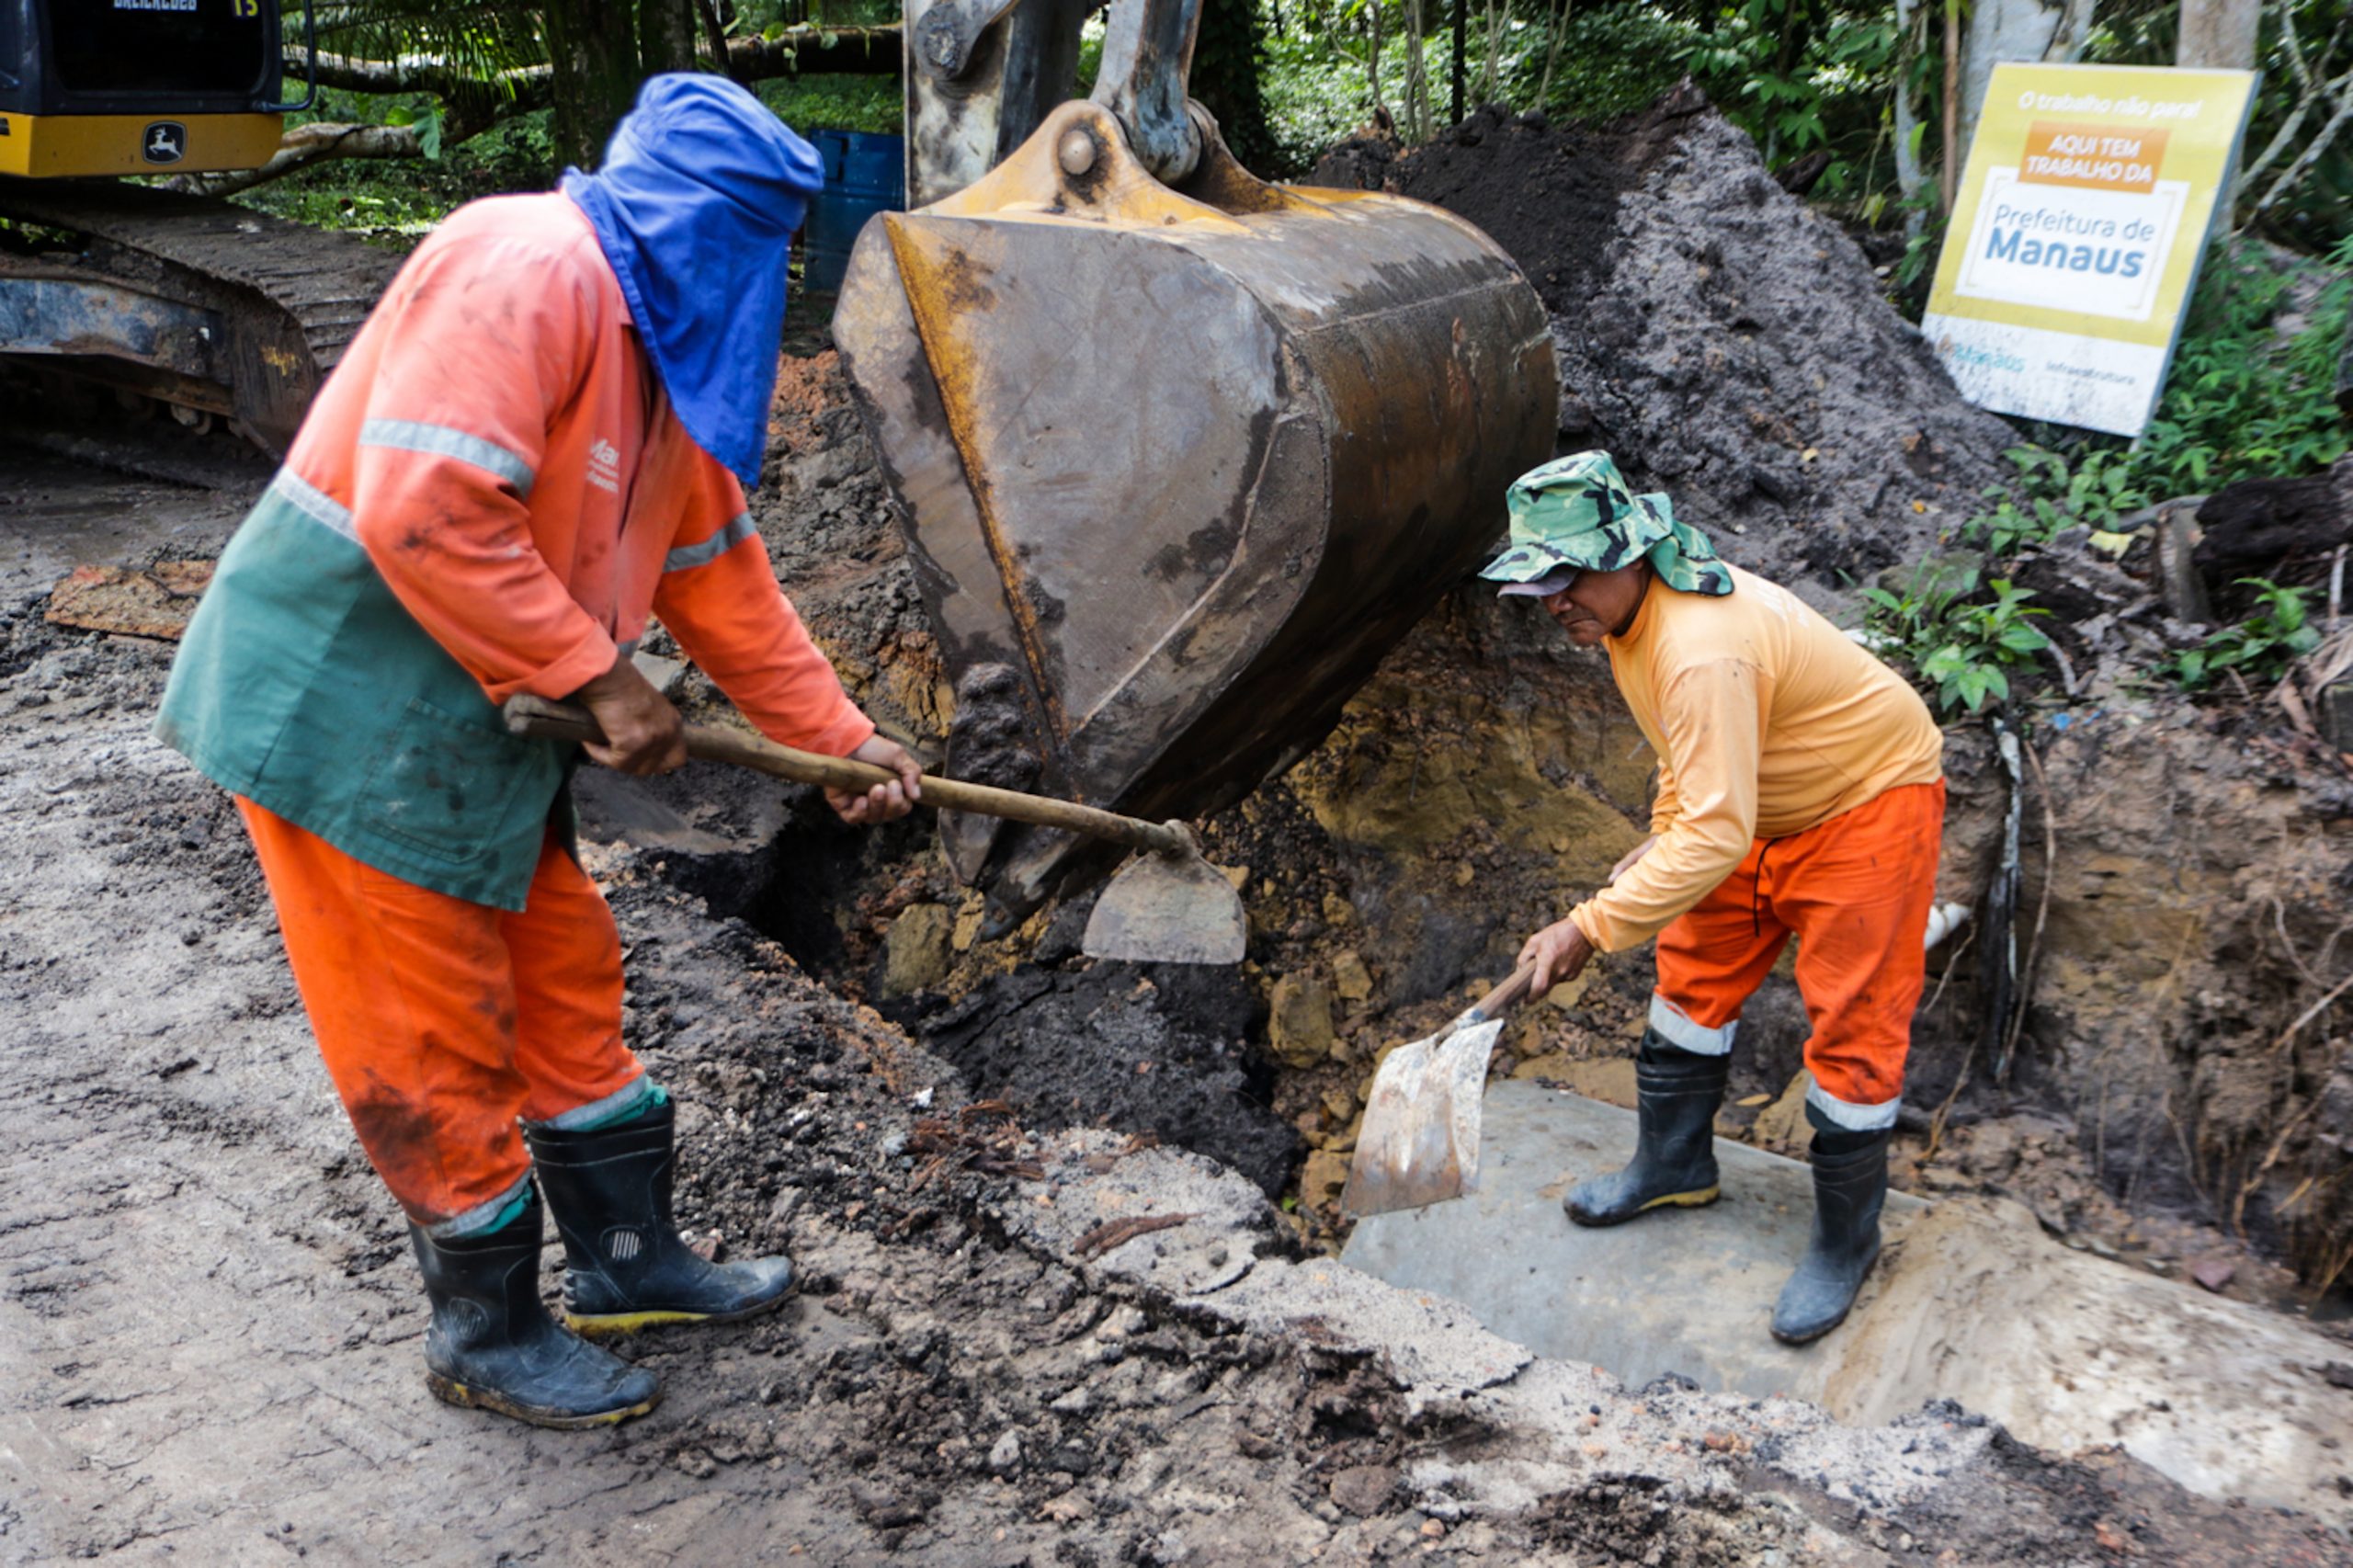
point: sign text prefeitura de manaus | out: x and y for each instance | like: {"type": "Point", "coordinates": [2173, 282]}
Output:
{"type": "Point", "coordinates": [2076, 236]}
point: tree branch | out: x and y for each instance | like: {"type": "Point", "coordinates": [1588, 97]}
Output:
{"type": "Point", "coordinates": [2294, 49]}
{"type": "Point", "coordinates": [867, 51]}
{"type": "Point", "coordinates": [861, 52]}
{"type": "Point", "coordinates": [2341, 90]}
{"type": "Point", "coordinates": [304, 145]}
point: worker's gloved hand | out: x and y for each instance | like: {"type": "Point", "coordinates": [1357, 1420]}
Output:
{"type": "Point", "coordinates": [1626, 863]}
{"type": "Point", "coordinates": [1559, 953]}
{"type": "Point", "coordinates": [885, 802]}
{"type": "Point", "coordinates": [642, 732]}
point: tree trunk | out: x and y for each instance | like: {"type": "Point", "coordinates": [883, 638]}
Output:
{"type": "Point", "coordinates": [2219, 34]}
{"type": "Point", "coordinates": [593, 46]}
{"type": "Point", "coordinates": [665, 36]}
{"type": "Point", "coordinates": [1225, 79]}
{"type": "Point", "coordinates": [1454, 77]}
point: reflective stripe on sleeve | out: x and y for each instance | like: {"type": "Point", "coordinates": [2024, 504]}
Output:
{"type": "Point", "coordinates": [687, 557]}
{"type": "Point", "coordinates": [314, 503]}
{"type": "Point", "coordinates": [1677, 1030]}
{"type": "Point", "coordinates": [1853, 1118]}
{"type": "Point", "coordinates": [409, 436]}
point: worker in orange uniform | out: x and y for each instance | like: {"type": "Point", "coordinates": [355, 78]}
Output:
{"type": "Point", "coordinates": [542, 434]}
{"type": "Point", "coordinates": [1801, 793]}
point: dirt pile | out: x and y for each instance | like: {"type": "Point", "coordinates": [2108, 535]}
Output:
{"type": "Point", "coordinates": [1726, 343]}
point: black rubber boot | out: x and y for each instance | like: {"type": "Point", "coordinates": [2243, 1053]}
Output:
{"type": "Point", "coordinates": [1849, 1188]}
{"type": "Point", "coordinates": [610, 1188]}
{"type": "Point", "coordinates": [1675, 1148]}
{"type": "Point", "coordinates": [492, 1345]}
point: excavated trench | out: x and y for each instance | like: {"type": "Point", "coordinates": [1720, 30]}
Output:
{"type": "Point", "coordinates": [1730, 347]}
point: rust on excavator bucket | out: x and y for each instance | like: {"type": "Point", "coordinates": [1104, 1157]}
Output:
{"type": "Point", "coordinates": [1186, 461]}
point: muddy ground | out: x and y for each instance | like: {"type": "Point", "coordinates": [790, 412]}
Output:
{"type": "Point", "coordinates": [212, 1326]}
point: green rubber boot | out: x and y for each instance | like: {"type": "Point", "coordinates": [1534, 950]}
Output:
{"type": "Point", "coordinates": [1675, 1147]}
{"type": "Point", "coordinates": [492, 1345]}
{"type": "Point", "coordinates": [1849, 1189]}
{"type": "Point", "coordinates": [609, 1189]}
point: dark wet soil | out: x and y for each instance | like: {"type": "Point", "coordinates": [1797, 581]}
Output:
{"type": "Point", "coordinates": [1161, 1050]}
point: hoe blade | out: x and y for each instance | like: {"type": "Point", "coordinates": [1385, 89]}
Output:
{"type": "Point", "coordinates": [1419, 1144]}
{"type": "Point", "coordinates": [1168, 909]}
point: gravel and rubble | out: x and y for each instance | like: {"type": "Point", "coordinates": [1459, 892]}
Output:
{"type": "Point", "coordinates": [998, 1355]}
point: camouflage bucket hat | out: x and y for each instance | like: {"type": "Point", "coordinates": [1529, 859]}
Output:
{"type": "Point", "coordinates": [1579, 511]}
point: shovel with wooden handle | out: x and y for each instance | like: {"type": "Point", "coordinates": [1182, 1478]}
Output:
{"type": "Point", "coordinates": [1419, 1142]}
{"type": "Point", "coordinates": [1166, 905]}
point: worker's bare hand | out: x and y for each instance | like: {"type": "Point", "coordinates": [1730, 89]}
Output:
{"type": "Point", "coordinates": [885, 802]}
{"type": "Point", "coordinates": [1559, 953]}
{"type": "Point", "coordinates": [642, 732]}
{"type": "Point", "coordinates": [1636, 853]}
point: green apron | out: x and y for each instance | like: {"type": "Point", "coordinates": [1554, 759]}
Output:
{"type": "Point", "coordinates": [305, 687]}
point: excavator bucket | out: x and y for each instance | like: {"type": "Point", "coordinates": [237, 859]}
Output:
{"type": "Point", "coordinates": [1178, 464]}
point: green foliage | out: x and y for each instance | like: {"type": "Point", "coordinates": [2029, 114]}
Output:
{"type": "Point", "coordinates": [2317, 212]}
{"type": "Point", "coordinates": [1790, 70]}
{"type": "Point", "coordinates": [1612, 60]}
{"type": "Point", "coordinates": [481, 38]}
{"type": "Point", "coordinates": [2261, 647]}
{"type": "Point", "coordinates": [834, 102]}
{"type": "Point", "coordinates": [1961, 648]}
{"type": "Point", "coordinates": [1315, 95]}
{"type": "Point", "coordinates": [2244, 400]}
{"type": "Point", "coordinates": [399, 202]}
{"type": "Point", "coordinates": [2094, 488]}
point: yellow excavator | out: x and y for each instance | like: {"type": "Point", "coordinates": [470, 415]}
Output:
{"type": "Point", "coordinates": [1178, 454]}
{"type": "Point", "coordinates": [219, 312]}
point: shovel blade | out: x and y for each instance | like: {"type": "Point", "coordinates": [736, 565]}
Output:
{"type": "Point", "coordinates": [1420, 1142]}
{"type": "Point", "coordinates": [1168, 909]}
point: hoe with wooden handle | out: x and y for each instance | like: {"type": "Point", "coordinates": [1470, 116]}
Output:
{"type": "Point", "coordinates": [1166, 905]}
{"type": "Point", "coordinates": [1419, 1144]}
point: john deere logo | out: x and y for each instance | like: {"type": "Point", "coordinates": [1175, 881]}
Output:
{"type": "Point", "coordinates": [166, 142]}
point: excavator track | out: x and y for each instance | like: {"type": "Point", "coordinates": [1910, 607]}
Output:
{"type": "Point", "coordinates": [211, 306]}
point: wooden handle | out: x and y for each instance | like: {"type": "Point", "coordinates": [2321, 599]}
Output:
{"type": "Point", "coordinates": [563, 722]}
{"type": "Point", "coordinates": [1508, 996]}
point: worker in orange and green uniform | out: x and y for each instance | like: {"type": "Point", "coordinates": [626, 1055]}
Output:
{"type": "Point", "coordinates": [1801, 793]}
{"type": "Point", "coordinates": [542, 436]}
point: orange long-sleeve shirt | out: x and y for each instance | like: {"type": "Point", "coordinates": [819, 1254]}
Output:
{"type": "Point", "coordinates": [1767, 720]}
{"type": "Point", "coordinates": [494, 442]}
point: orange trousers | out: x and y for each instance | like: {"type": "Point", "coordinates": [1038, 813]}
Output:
{"type": "Point", "coordinates": [1855, 892]}
{"type": "Point", "coordinates": [443, 1022]}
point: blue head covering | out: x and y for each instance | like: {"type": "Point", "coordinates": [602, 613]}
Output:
{"type": "Point", "coordinates": [699, 193]}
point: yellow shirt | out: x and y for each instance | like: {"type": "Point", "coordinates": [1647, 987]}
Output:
{"type": "Point", "coordinates": [1767, 720]}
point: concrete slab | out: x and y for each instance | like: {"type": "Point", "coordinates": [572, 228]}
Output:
{"type": "Point", "coordinates": [1971, 1301]}
{"type": "Point", "coordinates": [1688, 1292]}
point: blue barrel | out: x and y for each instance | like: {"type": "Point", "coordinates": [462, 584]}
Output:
{"type": "Point", "coordinates": [865, 174]}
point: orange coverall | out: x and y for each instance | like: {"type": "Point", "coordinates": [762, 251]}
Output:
{"type": "Point", "coordinates": [1801, 793]}
{"type": "Point", "coordinates": [495, 443]}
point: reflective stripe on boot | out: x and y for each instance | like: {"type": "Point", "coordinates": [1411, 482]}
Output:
{"type": "Point", "coordinates": [492, 1345]}
{"type": "Point", "coordinates": [610, 1188]}
{"type": "Point", "coordinates": [1674, 1147]}
{"type": "Point", "coordinates": [1849, 1189]}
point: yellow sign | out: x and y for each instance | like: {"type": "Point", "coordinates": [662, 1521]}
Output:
{"type": "Point", "coordinates": [2076, 236]}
